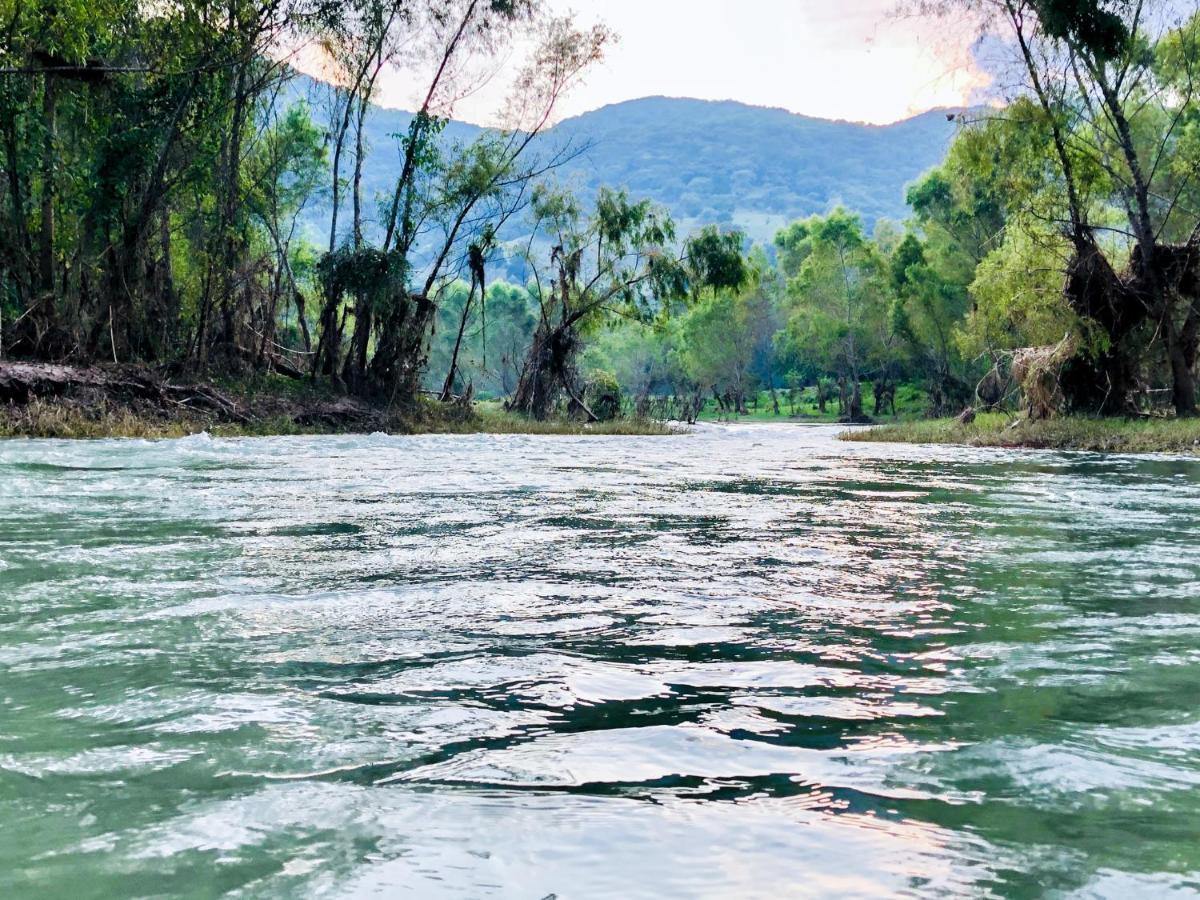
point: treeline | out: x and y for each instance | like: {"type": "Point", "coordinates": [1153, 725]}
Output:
{"type": "Point", "coordinates": [156, 168]}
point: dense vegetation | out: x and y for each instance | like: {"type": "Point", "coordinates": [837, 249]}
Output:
{"type": "Point", "coordinates": [158, 162]}
{"type": "Point", "coordinates": [1053, 257]}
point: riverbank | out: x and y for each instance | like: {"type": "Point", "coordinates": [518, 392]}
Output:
{"type": "Point", "coordinates": [53, 401]}
{"type": "Point", "coordinates": [1110, 435]}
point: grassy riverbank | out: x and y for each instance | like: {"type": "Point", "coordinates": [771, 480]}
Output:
{"type": "Point", "coordinates": [47, 419]}
{"type": "Point", "coordinates": [65, 402]}
{"type": "Point", "coordinates": [1109, 435]}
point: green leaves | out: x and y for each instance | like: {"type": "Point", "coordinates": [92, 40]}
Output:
{"type": "Point", "coordinates": [368, 274]}
{"type": "Point", "coordinates": [839, 294]}
{"type": "Point", "coordinates": [714, 259]}
{"type": "Point", "coordinates": [1095, 25]}
{"type": "Point", "coordinates": [287, 166]}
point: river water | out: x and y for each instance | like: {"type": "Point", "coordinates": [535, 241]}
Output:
{"type": "Point", "coordinates": [748, 661]}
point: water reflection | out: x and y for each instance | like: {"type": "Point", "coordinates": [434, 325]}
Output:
{"type": "Point", "coordinates": [742, 662]}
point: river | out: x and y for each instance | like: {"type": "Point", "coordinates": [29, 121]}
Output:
{"type": "Point", "coordinates": [748, 661]}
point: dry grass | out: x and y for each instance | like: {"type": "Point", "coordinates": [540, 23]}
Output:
{"type": "Point", "coordinates": [67, 419]}
{"type": "Point", "coordinates": [51, 419]}
{"type": "Point", "coordinates": [1110, 435]}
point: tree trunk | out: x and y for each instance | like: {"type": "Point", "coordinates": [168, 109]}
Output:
{"type": "Point", "coordinates": [170, 296]}
{"type": "Point", "coordinates": [448, 385]}
{"type": "Point", "coordinates": [355, 370]}
{"type": "Point", "coordinates": [399, 361]}
{"type": "Point", "coordinates": [1183, 382]}
{"type": "Point", "coordinates": [548, 370]}
{"type": "Point", "coordinates": [49, 150]}
{"type": "Point", "coordinates": [298, 298]}
{"type": "Point", "coordinates": [339, 140]}
{"type": "Point", "coordinates": [22, 275]}
{"type": "Point", "coordinates": [358, 166]}
{"type": "Point", "coordinates": [856, 408]}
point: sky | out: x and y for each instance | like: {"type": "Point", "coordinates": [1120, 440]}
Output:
{"type": "Point", "coordinates": [836, 59]}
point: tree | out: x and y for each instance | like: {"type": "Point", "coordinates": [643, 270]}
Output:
{"type": "Point", "coordinates": [727, 343]}
{"type": "Point", "coordinates": [284, 174]}
{"type": "Point", "coordinates": [925, 315]}
{"type": "Point", "coordinates": [718, 348]}
{"type": "Point", "coordinates": [838, 299]}
{"type": "Point", "coordinates": [155, 167]}
{"type": "Point", "coordinates": [452, 199]}
{"type": "Point", "coordinates": [616, 262]}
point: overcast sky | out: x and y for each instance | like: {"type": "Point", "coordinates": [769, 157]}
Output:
{"type": "Point", "coordinates": [841, 59]}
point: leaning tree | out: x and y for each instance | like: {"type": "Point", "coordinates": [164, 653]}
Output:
{"type": "Point", "coordinates": [618, 261]}
{"type": "Point", "coordinates": [1116, 84]}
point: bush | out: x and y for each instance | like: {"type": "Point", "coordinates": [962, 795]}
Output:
{"type": "Point", "coordinates": [602, 392]}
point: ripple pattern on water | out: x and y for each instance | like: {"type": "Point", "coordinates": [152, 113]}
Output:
{"type": "Point", "coordinates": [749, 661]}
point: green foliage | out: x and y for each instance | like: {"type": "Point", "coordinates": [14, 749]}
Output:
{"type": "Point", "coordinates": [287, 168]}
{"type": "Point", "coordinates": [736, 166]}
{"type": "Point", "coordinates": [714, 260]}
{"type": "Point", "coordinates": [748, 168]}
{"type": "Point", "coordinates": [1088, 23]}
{"type": "Point", "coordinates": [1018, 294]}
{"type": "Point", "coordinates": [368, 274]}
{"type": "Point", "coordinates": [602, 392]}
{"type": "Point", "coordinates": [839, 295]}
{"type": "Point", "coordinates": [716, 344]}
{"type": "Point", "coordinates": [643, 357]}
{"type": "Point", "coordinates": [497, 334]}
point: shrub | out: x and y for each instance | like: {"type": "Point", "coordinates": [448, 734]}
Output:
{"type": "Point", "coordinates": [602, 392]}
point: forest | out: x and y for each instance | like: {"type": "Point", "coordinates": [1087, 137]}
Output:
{"type": "Point", "coordinates": [157, 168]}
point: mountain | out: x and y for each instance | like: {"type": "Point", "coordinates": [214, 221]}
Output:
{"type": "Point", "coordinates": [755, 167]}
{"type": "Point", "coordinates": [715, 162]}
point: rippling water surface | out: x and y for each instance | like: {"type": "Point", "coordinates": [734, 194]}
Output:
{"type": "Point", "coordinates": [743, 662]}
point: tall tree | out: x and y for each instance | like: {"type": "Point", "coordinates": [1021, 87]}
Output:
{"type": "Point", "coordinates": [839, 299]}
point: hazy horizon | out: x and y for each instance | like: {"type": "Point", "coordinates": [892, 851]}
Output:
{"type": "Point", "coordinates": [558, 120]}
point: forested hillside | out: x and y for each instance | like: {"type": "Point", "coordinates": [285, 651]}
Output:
{"type": "Point", "coordinates": [707, 162]}
{"type": "Point", "coordinates": [756, 168]}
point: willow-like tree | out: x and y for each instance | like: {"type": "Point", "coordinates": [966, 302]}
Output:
{"type": "Point", "coordinates": [1115, 83]}
{"type": "Point", "coordinates": [447, 201]}
{"type": "Point", "coordinates": [618, 261]}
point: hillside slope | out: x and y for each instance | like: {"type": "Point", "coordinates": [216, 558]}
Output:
{"type": "Point", "coordinates": [758, 168]}
{"type": "Point", "coordinates": [722, 162]}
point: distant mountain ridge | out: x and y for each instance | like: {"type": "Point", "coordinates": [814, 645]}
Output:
{"type": "Point", "coordinates": [720, 162]}
{"type": "Point", "coordinates": [756, 167]}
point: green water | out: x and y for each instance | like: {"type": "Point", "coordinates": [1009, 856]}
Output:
{"type": "Point", "coordinates": [744, 662]}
